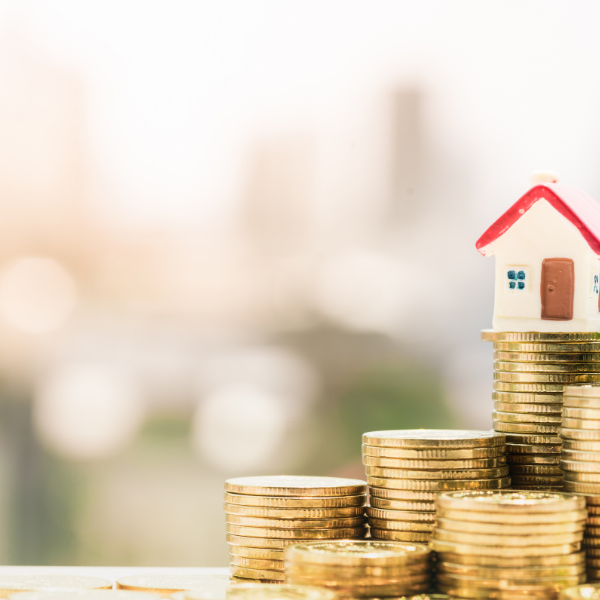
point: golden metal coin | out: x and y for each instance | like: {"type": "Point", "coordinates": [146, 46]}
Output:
{"type": "Point", "coordinates": [581, 402]}
{"type": "Point", "coordinates": [533, 428]}
{"type": "Point", "coordinates": [299, 503]}
{"type": "Point", "coordinates": [256, 573]}
{"type": "Point", "coordinates": [581, 445]}
{"type": "Point", "coordinates": [400, 515]}
{"type": "Point", "coordinates": [537, 480]}
{"type": "Point", "coordinates": [580, 466]}
{"type": "Point", "coordinates": [582, 477]}
{"type": "Point", "coordinates": [256, 563]}
{"type": "Point", "coordinates": [253, 582]}
{"type": "Point", "coordinates": [576, 487]}
{"type": "Point", "coordinates": [503, 551]}
{"type": "Point", "coordinates": [256, 553]}
{"type": "Point", "coordinates": [503, 529]}
{"type": "Point", "coordinates": [260, 542]}
{"type": "Point", "coordinates": [526, 398]}
{"type": "Point", "coordinates": [489, 335]}
{"type": "Point", "coordinates": [510, 593]}
{"type": "Point", "coordinates": [396, 463]}
{"type": "Point", "coordinates": [11, 584]}
{"type": "Point", "coordinates": [503, 386]}
{"type": "Point", "coordinates": [490, 584]}
{"type": "Point", "coordinates": [165, 585]}
{"type": "Point", "coordinates": [584, 391]}
{"type": "Point", "coordinates": [403, 495]}
{"type": "Point", "coordinates": [563, 378]}
{"type": "Point", "coordinates": [547, 347]}
{"type": "Point", "coordinates": [522, 439]}
{"type": "Point", "coordinates": [533, 459]}
{"type": "Point", "coordinates": [514, 560]}
{"type": "Point", "coordinates": [581, 413]}
{"type": "Point", "coordinates": [544, 357]}
{"type": "Point", "coordinates": [295, 523]}
{"type": "Point", "coordinates": [570, 516]}
{"type": "Point", "coordinates": [402, 505]}
{"type": "Point", "coordinates": [525, 367]}
{"type": "Point", "coordinates": [430, 474]}
{"type": "Point", "coordinates": [593, 521]}
{"type": "Point", "coordinates": [295, 485]}
{"type": "Point", "coordinates": [355, 553]}
{"type": "Point", "coordinates": [528, 449]}
{"type": "Point", "coordinates": [512, 541]}
{"type": "Point", "coordinates": [437, 438]}
{"type": "Point", "coordinates": [434, 453]}
{"type": "Point", "coordinates": [360, 574]}
{"type": "Point", "coordinates": [528, 409]}
{"type": "Point", "coordinates": [510, 501]}
{"type": "Point", "coordinates": [591, 542]}
{"type": "Point", "coordinates": [535, 470]}
{"type": "Point", "coordinates": [400, 525]}
{"type": "Point", "coordinates": [584, 435]}
{"type": "Point", "coordinates": [401, 536]}
{"type": "Point", "coordinates": [515, 573]}
{"type": "Point", "coordinates": [297, 534]}
{"type": "Point", "coordinates": [509, 417]}
{"type": "Point", "coordinates": [433, 485]}
{"type": "Point", "coordinates": [585, 424]}
{"type": "Point", "coordinates": [409, 587]}
{"type": "Point", "coordinates": [294, 513]}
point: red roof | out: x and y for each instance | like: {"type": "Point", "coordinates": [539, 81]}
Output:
{"type": "Point", "coordinates": [572, 203]}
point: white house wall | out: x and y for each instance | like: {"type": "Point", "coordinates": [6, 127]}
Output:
{"type": "Point", "coordinates": [542, 233]}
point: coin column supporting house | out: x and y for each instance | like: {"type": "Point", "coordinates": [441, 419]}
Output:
{"type": "Point", "coordinates": [509, 544]}
{"type": "Point", "coordinates": [361, 569]}
{"type": "Point", "coordinates": [266, 514]}
{"type": "Point", "coordinates": [407, 468]}
{"type": "Point", "coordinates": [530, 373]}
{"type": "Point", "coordinates": [580, 461]}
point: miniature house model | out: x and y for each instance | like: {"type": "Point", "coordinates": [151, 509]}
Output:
{"type": "Point", "coordinates": [547, 248]}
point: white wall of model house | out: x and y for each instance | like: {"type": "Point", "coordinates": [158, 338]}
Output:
{"type": "Point", "coordinates": [542, 233]}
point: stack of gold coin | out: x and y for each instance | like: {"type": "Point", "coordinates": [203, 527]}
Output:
{"type": "Point", "coordinates": [361, 569]}
{"type": "Point", "coordinates": [407, 467]}
{"type": "Point", "coordinates": [530, 372]}
{"type": "Point", "coordinates": [509, 544]}
{"type": "Point", "coordinates": [580, 461]}
{"type": "Point", "coordinates": [266, 514]}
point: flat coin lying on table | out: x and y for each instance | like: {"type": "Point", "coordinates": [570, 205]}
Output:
{"type": "Point", "coordinates": [291, 485]}
{"type": "Point", "coordinates": [10, 584]}
{"type": "Point", "coordinates": [215, 583]}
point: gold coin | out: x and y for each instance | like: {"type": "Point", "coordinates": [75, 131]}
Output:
{"type": "Point", "coordinates": [509, 417]}
{"type": "Point", "coordinates": [533, 459]}
{"type": "Point", "coordinates": [434, 453]}
{"type": "Point", "coordinates": [489, 335]}
{"type": "Point", "coordinates": [586, 424]}
{"type": "Point", "coordinates": [580, 466]}
{"type": "Point", "coordinates": [513, 561]}
{"type": "Point", "coordinates": [570, 516]}
{"type": "Point", "coordinates": [525, 367]}
{"type": "Point", "coordinates": [253, 582]}
{"type": "Point", "coordinates": [259, 542]}
{"type": "Point", "coordinates": [592, 531]}
{"type": "Point", "coordinates": [528, 449]}
{"type": "Point", "coordinates": [401, 536]}
{"type": "Point", "coordinates": [409, 587]}
{"type": "Point", "coordinates": [429, 474]}
{"type": "Point", "coordinates": [509, 501]}
{"type": "Point", "coordinates": [593, 521]}
{"type": "Point", "coordinates": [510, 593]}
{"type": "Point", "coordinates": [593, 563]}
{"type": "Point", "coordinates": [404, 495]}
{"type": "Point", "coordinates": [535, 470]}
{"type": "Point", "coordinates": [295, 485]}
{"type": "Point", "coordinates": [437, 438]}
{"type": "Point", "coordinates": [537, 480]}
{"type": "Point", "coordinates": [295, 523]}
{"type": "Point", "coordinates": [503, 529]}
{"type": "Point", "coordinates": [396, 463]}
{"type": "Point", "coordinates": [402, 505]}
{"type": "Point", "coordinates": [576, 487]}
{"type": "Point", "coordinates": [525, 428]}
{"type": "Point", "coordinates": [256, 553]}
{"type": "Point", "coordinates": [512, 541]}
{"type": "Point", "coordinates": [563, 378]}
{"type": "Point", "coordinates": [591, 542]}
{"type": "Point", "coordinates": [581, 445]}
{"type": "Point", "coordinates": [10, 584]}
{"type": "Point", "coordinates": [298, 534]}
{"type": "Point", "coordinates": [354, 553]}
{"type": "Point", "coordinates": [294, 513]}
{"type": "Point", "coordinates": [541, 488]}
{"type": "Point", "coordinates": [544, 357]}
{"type": "Point", "coordinates": [359, 574]}
{"type": "Point", "coordinates": [584, 435]}
{"type": "Point", "coordinates": [400, 525]}
{"type": "Point", "coordinates": [503, 551]}
{"type": "Point", "coordinates": [547, 347]}
{"type": "Point", "coordinates": [528, 409]}
{"type": "Point", "coordinates": [525, 398]}
{"type": "Point", "coordinates": [515, 573]}
{"type": "Point", "coordinates": [256, 563]}
{"type": "Point", "coordinates": [438, 485]}
{"type": "Point", "coordinates": [582, 477]}
{"type": "Point", "coordinates": [584, 391]}
{"type": "Point", "coordinates": [400, 515]}
{"type": "Point", "coordinates": [490, 584]}
{"type": "Point", "coordinates": [256, 573]}
{"type": "Point", "coordinates": [532, 439]}
{"type": "Point", "coordinates": [166, 584]}
{"type": "Point", "coordinates": [581, 413]}
{"type": "Point", "coordinates": [581, 402]}
{"type": "Point", "coordinates": [300, 503]}
{"type": "Point", "coordinates": [250, 590]}
{"type": "Point", "coordinates": [502, 386]}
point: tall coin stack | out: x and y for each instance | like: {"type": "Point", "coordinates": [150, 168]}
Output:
{"type": "Point", "coordinates": [361, 569]}
{"type": "Point", "coordinates": [265, 514]}
{"type": "Point", "coordinates": [581, 462]}
{"type": "Point", "coordinates": [509, 545]}
{"type": "Point", "coordinates": [406, 469]}
{"type": "Point", "coordinates": [530, 372]}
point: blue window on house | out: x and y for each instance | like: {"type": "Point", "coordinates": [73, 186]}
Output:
{"type": "Point", "coordinates": [521, 285]}
{"type": "Point", "coordinates": [513, 275]}
{"type": "Point", "coordinates": [512, 285]}
{"type": "Point", "coordinates": [521, 275]}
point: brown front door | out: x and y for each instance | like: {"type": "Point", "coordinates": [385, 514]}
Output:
{"type": "Point", "coordinates": [557, 289]}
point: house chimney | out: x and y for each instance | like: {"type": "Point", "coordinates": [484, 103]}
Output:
{"type": "Point", "coordinates": [538, 177]}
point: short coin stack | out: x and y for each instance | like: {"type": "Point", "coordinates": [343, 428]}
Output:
{"type": "Point", "coordinates": [581, 462]}
{"type": "Point", "coordinates": [530, 372]}
{"type": "Point", "coordinates": [265, 514]}
{"type": "Point", "coordinates": [361, 569]}
{"type": "Point", "coordinates": [509, 544]}
{"type": "Point", "coordinates": [407, 468]}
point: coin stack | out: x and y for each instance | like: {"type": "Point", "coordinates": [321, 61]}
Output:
{"type": "Point", "coordinates": [580, 461]}
{"type": "Point", "coordinates": [407, 467]}
{"type": "Point", "coordinates": [361, 569]}
{"type": "Point", "coordinates": [509, 544]}
{"type": "Point", "coordinates": [266, 514]}
{"type": "Point", "coordinates": [530, 372]}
